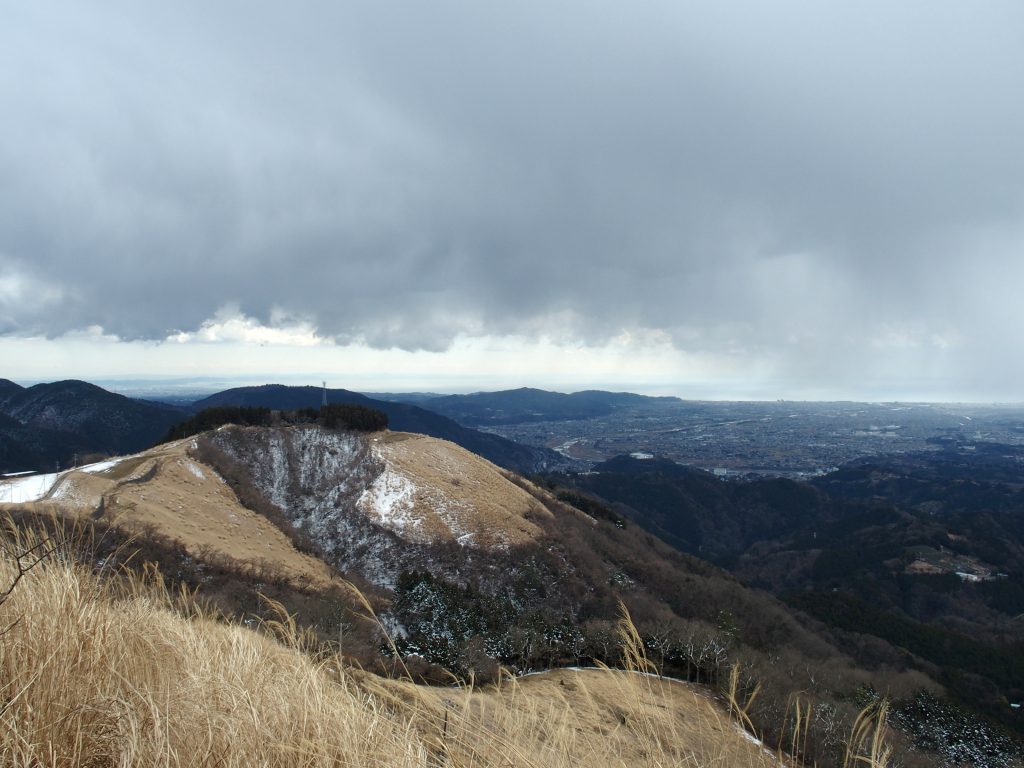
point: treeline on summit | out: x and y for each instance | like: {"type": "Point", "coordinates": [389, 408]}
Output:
{"type": "Point", "coordinates": [357, 418]}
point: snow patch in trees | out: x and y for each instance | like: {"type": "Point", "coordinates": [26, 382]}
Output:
{"type": "Point", "coordinates": [390, 499]}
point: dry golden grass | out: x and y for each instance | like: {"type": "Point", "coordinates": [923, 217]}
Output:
{"type": "Point", "coordinates": [108, 673]}
{"type": "Point", "coordinates": [459, 493]}
{"type": "Point", "coordinates": [185, 500]}
{"type": "Point", "coordinates": [593, 717]}
{"type": "Point", "coordinates": [120, 672]}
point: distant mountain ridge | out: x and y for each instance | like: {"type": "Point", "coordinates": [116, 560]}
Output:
{"type": "Point", "coordinates": [402, 417]}
{"type": "Point", "coordinates": [516, 406]}
{"type": "Point", "coordinates": [45, 425]}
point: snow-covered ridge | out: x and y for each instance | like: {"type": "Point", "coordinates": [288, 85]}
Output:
{"type": "Point", "coordinates": [24, 489]}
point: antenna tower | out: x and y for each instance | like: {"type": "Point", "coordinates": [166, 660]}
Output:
{"type": "Point", "coordinates": [324, 401]}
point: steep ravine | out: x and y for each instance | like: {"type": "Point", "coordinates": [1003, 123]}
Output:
{"type": "Point", "coordinates": [382, 504]}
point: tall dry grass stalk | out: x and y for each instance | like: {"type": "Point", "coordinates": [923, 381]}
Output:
{"type": "Point", "coordinates": [869, 745]}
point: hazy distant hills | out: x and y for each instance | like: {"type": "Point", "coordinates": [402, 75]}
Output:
{"type": "Point", "coordinates": [47, 424]}
{"type": "Point", "coordinates": [517, 406]}
{"type": "Point", "coordinates": [698, 513]}
{"type": "Point", "coordinates": [402, 417]}
{"type": "Point", "coordinates": [923, 551]}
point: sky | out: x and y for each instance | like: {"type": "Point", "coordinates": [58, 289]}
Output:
{"type": "Point", "coordinates": [729, 200]}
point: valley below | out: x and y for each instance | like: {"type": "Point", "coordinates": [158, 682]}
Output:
{"type": "Point", "coordinates": [783, 439]}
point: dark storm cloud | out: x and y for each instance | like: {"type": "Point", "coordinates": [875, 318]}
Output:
{"type": "Point", "coordinates": [827, 185]}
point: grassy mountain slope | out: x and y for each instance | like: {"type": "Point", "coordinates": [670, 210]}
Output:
{"type": "Point", "coordinates": [130, 675]}
{"type": "Point", "coordinates": [165, 490]}
{"type": "Point", "coordinates": [544, 593]}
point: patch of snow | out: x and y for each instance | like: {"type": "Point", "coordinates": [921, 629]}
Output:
{"type": "Point", "coordinates": [62, 490]}
{"type": "Point", "coordinates": [194, 468]}
{"type": "Point", "coordinates": [68, 491]}
{"type": "Point", "coordinates": [756, 741]}
{"type": "Point", "coordinates": [65, 490]}
{"type": "Point", "coordinates": [101, 466]}
{"type": "Point", "coordinates": [24, 489]}
{"type": "Point", "coordinates": [639, 672]}
{"type": "Point", "coordinates": [749, 736]}
{"type": "Point", "coordinates": [390, 499]}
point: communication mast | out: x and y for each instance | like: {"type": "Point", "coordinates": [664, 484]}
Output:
{"type": "Point", "coordinates": [324, 401]}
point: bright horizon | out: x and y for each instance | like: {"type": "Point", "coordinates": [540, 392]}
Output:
{"type": "Point", "coordinates": [240, 351]}
{"type": "Point", "coordinates": [467, 368]}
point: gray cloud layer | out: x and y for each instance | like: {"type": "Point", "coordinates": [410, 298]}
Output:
{"type": "Point", "coordinates": [829, 186]}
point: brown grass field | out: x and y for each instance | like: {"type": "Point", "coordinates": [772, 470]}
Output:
{"type": "Point", "coordinates": [120, 672]}
{"type": "Point", "coordinates": [458, 493]}
{"type": "Point", "coordinates": [167, 489]}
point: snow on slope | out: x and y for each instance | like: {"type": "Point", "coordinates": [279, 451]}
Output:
{"type": "Point", "coordinates": [21, 490]}
{"type": "Point", "coordinates": [168, 490]}
{"type": "Point", "coordinates": [373, 505]}
{"type": "Point", "coordinates": [316, 478]}
{"type": "Point", "coordinates": [390, 499]}
{"type": "Point", "coordinates": [24, 489]}
{"type": "Point", "coordinates": [101, 466]}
